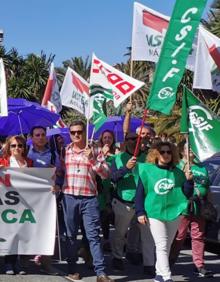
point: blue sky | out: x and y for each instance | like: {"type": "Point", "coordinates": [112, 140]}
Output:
{"type": "Point", "coordinates": [72, 28]}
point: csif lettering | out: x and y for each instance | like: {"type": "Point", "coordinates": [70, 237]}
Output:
{"type": "Point", "coordinates": [181, 39]}
{"type": "Point", "coordinates": [163, 186]}
{"type": "Point", "coordinates": [199, 122]}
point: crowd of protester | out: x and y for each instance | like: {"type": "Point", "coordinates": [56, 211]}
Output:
{"type": "Point", "coordinates": [148, 199]}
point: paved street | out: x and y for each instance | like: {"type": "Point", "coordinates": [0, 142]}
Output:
{"type": "Point", "coordinates": [182, 272]}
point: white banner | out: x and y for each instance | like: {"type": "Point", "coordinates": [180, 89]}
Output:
{"type": "Point", "coordinates": [75, 92]}
{"type": "Point", "coordinates": [121, 85]}
{"type": "Point", "coordinates": [149, 29]}
{"type": "Point", "coordinates": [28, 211]}
{"type": "Point", "coordinates": [3, 91]}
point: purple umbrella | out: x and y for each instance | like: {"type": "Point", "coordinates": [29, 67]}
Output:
{"type": "Point", "coordinates": [23, 115]}
{"type": "Point", "coordinates": [115, 124]}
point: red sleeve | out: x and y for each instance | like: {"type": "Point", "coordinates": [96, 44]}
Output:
{"type": "Point", "coordinates": [4, 162]}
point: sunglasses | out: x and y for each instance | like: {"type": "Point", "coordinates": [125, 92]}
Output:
{"type": "Point", "coordinates": [16, 146]}
{"type": "Point", "coordinates": [73, 132]}
{"type": "Point", "coordinates": [162, 152]}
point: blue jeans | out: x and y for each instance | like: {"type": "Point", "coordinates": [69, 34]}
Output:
{"type": "Point", "coordinates": [87, 208]}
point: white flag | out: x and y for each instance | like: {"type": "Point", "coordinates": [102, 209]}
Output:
{"type": "Point", "coordinates": [108, 77]}
{"type": "Point", "coordinates": [149, 29]}
{"type": "Point", "coordinates": [75, 92]}
{"type": "Point", "coordinates": [207, 66]}
{"type": "Point", "coordinates": [3, 91]}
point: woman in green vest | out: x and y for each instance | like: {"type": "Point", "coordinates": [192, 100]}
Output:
{"type": "Point", "coordinates": [161, 197]}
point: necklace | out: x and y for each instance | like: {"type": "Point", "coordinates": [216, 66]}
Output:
{"type": "Point", "coordinates": [77, 166]}
{"type": "Point", "coordinates": [76, 158]}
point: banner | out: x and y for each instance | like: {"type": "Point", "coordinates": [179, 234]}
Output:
{"type": "Point", "coordinates": [201, 124]}
{"type": "Point", "coordinates": [121, 85]}
{"type": "Point", "coordinates": [149, 30]}
{"type": "Point", "coordinates": [177, 45]}
{"type": "Point", "coordinates": [75, 92]}
{"type": "Point", "coordinates": [207, 66]}
{"type": "Point", "coordinates": [3, 91]}
{"type": "Point", "coordinates": [28, 211]}
{"type": "Point", "coordinates": [51, 98]}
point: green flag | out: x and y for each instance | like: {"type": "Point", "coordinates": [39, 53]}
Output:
{"type": "Point", "coordinates": [100, 96]}
{"type": "Point", "coordinates": [201, 124]}
{"type": "Point", "coordinates": [175, 50]}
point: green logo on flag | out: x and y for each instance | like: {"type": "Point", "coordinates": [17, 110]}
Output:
{"type": "Point", "coordinates": [100, 96]}
{"type": "Point", "coordinates": [201, 124]}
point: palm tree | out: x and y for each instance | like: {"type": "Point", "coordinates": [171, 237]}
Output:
{"type": "Point", "coordinates": [36, 72]}
{"type": "Point", "coordinates": [80, 65]}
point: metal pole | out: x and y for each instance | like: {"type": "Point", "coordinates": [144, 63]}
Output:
{"type": "Point", "coordinates": [58, 237]}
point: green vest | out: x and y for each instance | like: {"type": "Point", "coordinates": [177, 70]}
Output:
{"type": "Point", "coordinates": [126, 187]}
{"type": "Point", "coordinates": [107, 188]}
{"type": "Point", "coordinates": [163, 189]}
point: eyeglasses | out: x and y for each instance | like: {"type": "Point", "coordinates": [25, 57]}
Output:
{"type": "Point", "coordinates": [162, 152]}
{"type": "Point", "coordinates": [16, 146]}
{"type": "Point", "coordinates": [73, 132]}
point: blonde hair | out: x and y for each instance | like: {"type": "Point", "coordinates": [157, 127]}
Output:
{"type": "Point", "coordinates": [154, 152]}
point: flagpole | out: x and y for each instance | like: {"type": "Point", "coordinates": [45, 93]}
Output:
{"type": "Point", "coordinates": [58, 237]}
{"type": "Point", "coordinates": [87, 124]}
{"type": "Point", "coordinates": [87, 132]}
{"type": "Point", "coordinates": [126, 123]}
{"type": "Point", "coordinates": [187, 153]}
{"type": "Point", "coordinates": [131, 72]}
{"type": "Point", "coordinates": [139, 136]}
{"type": "Point", "coordinates": [92, 136]}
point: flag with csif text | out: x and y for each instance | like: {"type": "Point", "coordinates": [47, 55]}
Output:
{"type": "Point", "coordinates": [176, 47]}
{"type": "Point", "coordinates": [149, 30]}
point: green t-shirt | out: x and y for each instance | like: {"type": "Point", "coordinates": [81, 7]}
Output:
{"type": "Point", "coordinates": [126, 186]}
{"type": "Point", "coordinates": [164, 199]}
